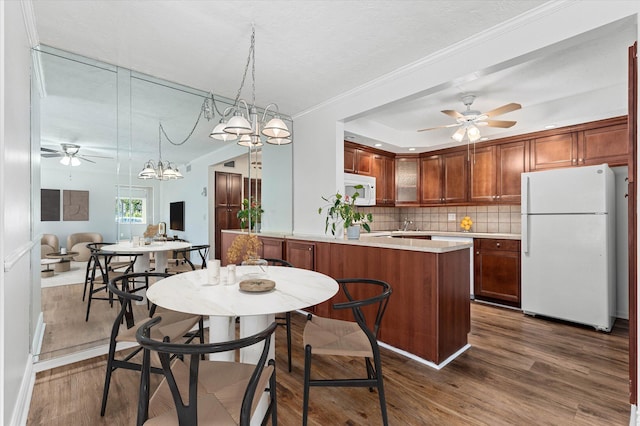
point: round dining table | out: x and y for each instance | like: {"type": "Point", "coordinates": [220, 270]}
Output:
{"type": "Point", "coordinates": [143, 263]}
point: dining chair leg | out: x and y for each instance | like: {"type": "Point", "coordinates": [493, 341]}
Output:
{"type": "Point", "coordinates": [107, 378]}
{"type": "Point", "coordinates": [288, 320]}
{"type": "Point", "coordinates": [383, 402]}
{"type": "Point", "coordinates": [307, 375]}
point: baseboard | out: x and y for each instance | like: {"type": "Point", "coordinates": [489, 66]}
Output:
{"type": "Point", "coordinates": [23, 402]}
{"type": "Point", "coordinates": [422, 360]}
{"type": "Point", "coordinates": [38, 337]}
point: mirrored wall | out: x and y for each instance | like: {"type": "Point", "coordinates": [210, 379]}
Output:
{"type": "Point", "coordinates": [98, 125]}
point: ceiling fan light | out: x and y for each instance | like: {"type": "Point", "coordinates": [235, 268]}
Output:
{"type": "Point", "coordinates": [238, 125]}
{"type": "Point", "coordinates": [276, 128]}
{"type": "Point", "coordinates": [75, 162]}
{"type": "Point", "coordinates": [65, 160]}
{"type": "Point", "coordinates": [459, 134]}
{"type": "Point", "coordinates": [473, 133]}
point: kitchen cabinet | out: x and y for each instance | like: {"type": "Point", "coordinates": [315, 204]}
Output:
{"type": "Point", "coordinates": [300, 254]}
{"type": "Point", "coordinates": [600, 142]}
{"type": "Point", "coordinates": [384, 170]}
{"type": "Point", "coordinates": [444, 178]}
{"type": "Point", "coordinates": [407, 180]}
{"type": "Point", "coordinates": [227, 204]}
{"type": "Point", "coordinates": [497, 270]}
{"type": "Point", "coordinates": [495, 172]}
{"type": "Point", "coordinates": [271, 248]}
{"type": "Point", "coordinates": [357, 160]}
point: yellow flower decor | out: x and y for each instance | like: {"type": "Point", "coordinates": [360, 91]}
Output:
{"type": "Point", "coordinates": [244, 247]}
{"type": "Point", "coordinates": [466, 223]}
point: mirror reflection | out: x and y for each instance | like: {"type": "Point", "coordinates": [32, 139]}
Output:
{"type": "Point", "coordinates": [99, 126]}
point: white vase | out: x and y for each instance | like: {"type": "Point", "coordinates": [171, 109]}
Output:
{"type": "Point", "coordinates": [353, 232]}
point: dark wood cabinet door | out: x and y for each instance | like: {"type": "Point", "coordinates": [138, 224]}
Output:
{"type": "Point", "coordinates": [554, 151]}
{"type": "Point", "coordinates": [407, 180]}
{"type": "Point", "coordinates": [383, 169]}
{"type": "Point", "coordinates": [455, 177]}
{"type": "Point", "coordinates": [300, 254]}
{"type": "Point", "coordinates": [512, 162]}
{"type": "Point", "coordinates": [272, 248]}
{"type": "Point", "coordinates": [431, 176]}
{"type": "Point", "coordinates": [483, 167]}
{"type": "Point", "coordinates": [349, 159]}
{"type": "Point", "coordinates": [364, 162]}
{"type": "Point", "coordinates": [228, 202]}
{"type": "Point", "coordinates": [604, 145]}
{"type": "Point", "coordinates": [497, 270]}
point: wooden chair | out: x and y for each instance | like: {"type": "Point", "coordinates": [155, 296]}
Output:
{"type": "Point", "coordinates": [182, 262]}
{"type": "Point", "coordinates": [196, 392]}
{"type": "Point", "coordinates": [176, 325]}
{"type": "Point", "coordinates": [286, 320]}
{"type": "Point", "coordinates": [327, 336]}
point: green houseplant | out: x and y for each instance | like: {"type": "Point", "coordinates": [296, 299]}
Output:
{"type": "Point", "coordinates": [250, 214]}
{"type": "Point", "coordinates": [342, 208]}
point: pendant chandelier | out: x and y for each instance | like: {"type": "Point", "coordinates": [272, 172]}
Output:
{"type": "Point", "coordinates": [245, 125]}
{"type": "Point", "coordinates": [162, 170]}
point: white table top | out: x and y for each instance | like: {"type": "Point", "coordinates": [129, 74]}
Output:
{"type": "Point", "coordinates": [295, 289]}
{"type": "Point", "coordinates": [153, 247]}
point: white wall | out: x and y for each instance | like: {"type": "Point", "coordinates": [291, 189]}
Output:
{"type": "Point", "coordinates": [16, 240]}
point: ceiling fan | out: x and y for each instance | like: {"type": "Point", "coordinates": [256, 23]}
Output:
{"type": "Point", "coordinates": [69, 154]}
{"type": "Point", "coordinates": [469, 120]}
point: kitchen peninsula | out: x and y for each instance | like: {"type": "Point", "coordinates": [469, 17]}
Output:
{"type": "Point", "coordinates": [428, 315]}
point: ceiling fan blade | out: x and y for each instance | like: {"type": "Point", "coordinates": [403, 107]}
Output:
{"type": "Point", "coordinates": [501, 123]}
{"type": "Point", "coordinates": [43, 149]}
{"type": "Point", "coordinates": [440, 127]}
{"type": "Point", "coordinates": [503, 109]}
{"type": "Point", "coordinates": [83, 158]}
{"type": "Point", "coordinates": [97, 156]}
{"type": "Point", "coordinates": [52, 154]}
{"type": "Point", "coordinates": [452, 113]}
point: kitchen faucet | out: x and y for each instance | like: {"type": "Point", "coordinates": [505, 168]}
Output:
{"type": "Point", "coordinates": [406, 224]}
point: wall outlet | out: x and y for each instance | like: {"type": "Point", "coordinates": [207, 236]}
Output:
{"type": "Point", "coordinates": [451, 217]}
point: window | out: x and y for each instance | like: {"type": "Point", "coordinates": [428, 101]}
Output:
{"type": "Point", "coordinates": [131, 210]}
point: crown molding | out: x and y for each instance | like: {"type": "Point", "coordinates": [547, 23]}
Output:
{"type": "Point", "coordinates": [30, 22]}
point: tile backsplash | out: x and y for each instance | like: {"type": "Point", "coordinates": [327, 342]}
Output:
{"type": "Point", "coordinates": [502, 219]}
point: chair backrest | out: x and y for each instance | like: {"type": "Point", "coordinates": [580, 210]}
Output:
{"type": "Point", "coordinates": [351, 287]}
{"type": "Point", "coordinates": [186, 253]}
{"type": "Point", "coordinates": [187, 412]}
{"type": "Point", "coordinates": [48, 244]}
{"type": "Point", "coordinates": [78, 242]}
{"type": "Point", "coordinates": [124, 287]}
{"type": "Point", "coordinates": [278, 262]}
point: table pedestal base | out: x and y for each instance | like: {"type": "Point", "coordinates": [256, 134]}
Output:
{"type": "Point", "coordinates": [62, 266]}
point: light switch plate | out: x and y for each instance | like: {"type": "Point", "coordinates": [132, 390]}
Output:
{"type": "Point", "coordinates": [451, 217]}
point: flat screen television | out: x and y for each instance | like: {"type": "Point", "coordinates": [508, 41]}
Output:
{"type": "Point", "coordinates": [176, 216]}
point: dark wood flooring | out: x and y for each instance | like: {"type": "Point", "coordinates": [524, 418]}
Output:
{"type": "Point", "coordinates": [519, 371]}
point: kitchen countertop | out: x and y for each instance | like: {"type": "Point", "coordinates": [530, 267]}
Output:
{"type": "Point", "coordinates": [497, 235]}
{"type": "Point", "coordinates": [380, 240]}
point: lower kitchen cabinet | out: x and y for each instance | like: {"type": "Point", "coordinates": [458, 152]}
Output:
{"type": "Point", "coordinates": [497, 271]}
{"type": "Point", "coordinates": [301, 254]}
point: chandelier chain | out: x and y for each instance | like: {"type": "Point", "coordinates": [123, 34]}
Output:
{"type": "Point", "coordinates": [246, 67]}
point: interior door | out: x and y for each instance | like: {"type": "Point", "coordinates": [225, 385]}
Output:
{"type": "Point", "coordinates": [633, 230]}
{"type": "Point", "coordinates": [228, 201]}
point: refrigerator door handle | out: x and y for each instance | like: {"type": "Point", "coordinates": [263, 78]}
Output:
{"type": "Point", "coordinates": [525, 215]}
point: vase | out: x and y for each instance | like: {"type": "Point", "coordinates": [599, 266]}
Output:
{"type": "Point", "coordinates": [257, 227]}
{"type": "Point", "coordinates": [353, 232]}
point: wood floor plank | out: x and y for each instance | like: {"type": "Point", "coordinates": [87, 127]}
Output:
{"type": "Point", "coordinates": [519, 370]}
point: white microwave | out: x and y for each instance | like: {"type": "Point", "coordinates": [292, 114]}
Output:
{"type": "Point", "coordinates": [366, 194]}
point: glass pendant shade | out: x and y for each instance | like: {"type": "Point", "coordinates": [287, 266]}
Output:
{"type": "Point", "coordinates": [65, 160]}
{"type": "Point", "coordinates": [238, 125]}
{"type": "Point", "coordinates": [219, 133]}
{"type": "Point", "coordinates": [75, 162]}
{"type": "Point", "coordinates": [279, 141]}
{"type": "Point", "coordinates": [250, 141]}
{"type": "Point", "coordinates": [473, 133]}
{"type": "Point", "coordinates": [276, 128]}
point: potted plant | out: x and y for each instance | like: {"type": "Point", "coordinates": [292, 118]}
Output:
{"type": "Point", "coordinates": [250, 215]}
{"type": "Point", "coordinates": [343, 209]}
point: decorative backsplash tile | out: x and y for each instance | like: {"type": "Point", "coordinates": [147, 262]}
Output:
{"type": "Point", "coordinates": [502, 219]}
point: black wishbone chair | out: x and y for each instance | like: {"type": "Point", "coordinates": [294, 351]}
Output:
{"type": "Point", "coordinates": [197, 392]}
{"type": "Point", "coordinates": [286, 320]}
{"type": "Point", "coordinates": [182, 261]}
{"type": "Point", "coordinates": [176, 325]}
{"type": "Point", "coordinates": [326, 336]}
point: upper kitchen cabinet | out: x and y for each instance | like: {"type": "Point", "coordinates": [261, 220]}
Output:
{"type": "Point", "coordinates": [384, 170]}
{"type": "Point", "coordinates": [495, 172]}
{"type": "Point", "coordinates": [357, 160]}
{"type": "Point", "coordinates": [444, 178]}
{"type": "Point", "coordinates": [407, 180]}
{"type": "Point", "coordinates": [604, 141]}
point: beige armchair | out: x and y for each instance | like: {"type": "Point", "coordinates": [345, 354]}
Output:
{"type": "Point", "coordinates": [49, 243]}
{"type": "Point", "coordinates": [78, 242]}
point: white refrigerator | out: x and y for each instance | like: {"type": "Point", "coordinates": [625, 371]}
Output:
{"type": "Point", "coordinates": [568, 258]}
